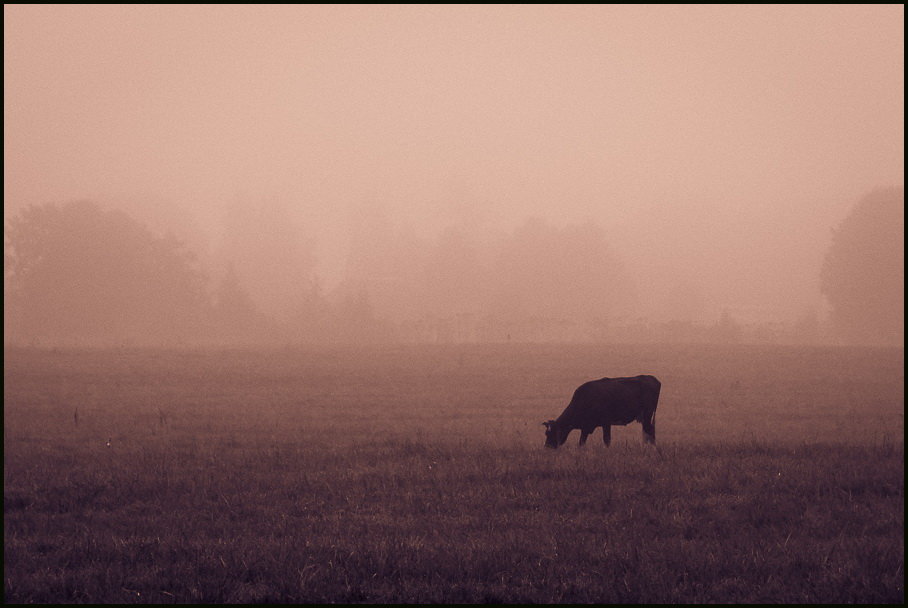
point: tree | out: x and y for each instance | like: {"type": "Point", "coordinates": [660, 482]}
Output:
{"type": "Point", "coordinates": [386, 262]}
{"type": "Point", "coordinates": [454, 280]}
{"type": "Point", "coordinates": [235, 317]}
{"type": "Point", "coordinates": [569, 274]}
{"type": "Point", "coordinates": [270, 256]}
{"type": "Point", "coordinates": [863, 274]}
{"type": "Point", "coordinates": [77, 273]}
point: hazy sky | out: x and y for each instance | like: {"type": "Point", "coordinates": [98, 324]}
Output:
{"type": "Point", "coordinates": [716, 145]}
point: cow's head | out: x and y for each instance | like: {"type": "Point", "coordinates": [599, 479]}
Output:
{"type": "Point", "coordinates": [552, 434]}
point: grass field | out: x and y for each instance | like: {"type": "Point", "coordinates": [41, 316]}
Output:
{"type": "Point", "coordinates": [418, 474]}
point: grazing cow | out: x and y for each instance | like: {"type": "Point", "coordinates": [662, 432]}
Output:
{"type": "Point", "coordinates": [606, 402]}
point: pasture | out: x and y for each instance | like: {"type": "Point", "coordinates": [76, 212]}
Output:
{"type": "Point", "coordinates": [418, 474]}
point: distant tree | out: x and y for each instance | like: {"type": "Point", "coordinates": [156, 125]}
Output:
{"type": "Point", "coordinates": [232, 300]}
{"type": "Point", "coordinates": [454, 278]}
{"type": "Point", "coordinates": [387, 260]}
{"type": "Point", "coordinates": [569, 273]}
{"type": "Point", "coordinates": [309, 321]}
{"type": "Point", "coordinates": [79, 273]}
{"type": "Point", "coordinates": [271, 257]}
{"type": "Point", "coordinates": [726, 329]}
{"type": "Point", "coordinates": [566, 281]}
{"type": "Point", "coordinates": [807, 327]}
{"type": "Point", "coordinates": [235, 318]}
{"type": "Point", "coordinates": [352, 319]}
{"type": "Point", "coordinates": [863, 274]}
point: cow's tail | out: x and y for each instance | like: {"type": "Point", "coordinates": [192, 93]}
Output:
{"type": "Point", "coordinates": [649, 428]}
{"type": "Point", "coordinates": [652, 420]}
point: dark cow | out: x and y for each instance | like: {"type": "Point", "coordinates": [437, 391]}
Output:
{"type": "Point", "coordinates": [606, 402]}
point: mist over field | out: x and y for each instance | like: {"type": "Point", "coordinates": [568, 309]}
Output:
{"type": "Point", "coordinates": [297, 298]}
{"type": "Point", "coordinates": [452, 174]}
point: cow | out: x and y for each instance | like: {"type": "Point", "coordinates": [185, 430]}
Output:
{"type": "Point", "coordinates": [606, 402]}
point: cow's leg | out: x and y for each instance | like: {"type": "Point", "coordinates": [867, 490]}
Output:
{"type": "Point", "coordinates": [607, 434]}
{"type": "Point", "coordinates": [583, 435]}
{"type": "Point", "coordinates": [649, 431]}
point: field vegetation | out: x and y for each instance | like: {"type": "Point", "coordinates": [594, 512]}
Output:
{"type": "Point", "coordinates": [418, 474]}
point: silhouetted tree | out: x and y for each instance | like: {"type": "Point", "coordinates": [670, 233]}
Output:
{"type": "Point", "coordinates": [79, 273]}
{"type": "Point", "coordinates": [863, 275]}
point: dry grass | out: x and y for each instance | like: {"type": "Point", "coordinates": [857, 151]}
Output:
{"type": "Point", "coordinates": [418, 474]}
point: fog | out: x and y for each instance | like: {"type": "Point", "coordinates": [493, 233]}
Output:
{"type": "Point", "coordinates": [613, 166]}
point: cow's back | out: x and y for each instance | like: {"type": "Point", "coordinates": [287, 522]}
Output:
{"type": "Point", "coordinates": [612, 401]}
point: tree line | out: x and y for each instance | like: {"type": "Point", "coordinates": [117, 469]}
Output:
{"type": "Point", "coordinates": [78, 273]}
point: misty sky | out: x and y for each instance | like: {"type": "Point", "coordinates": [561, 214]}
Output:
{"type": "Point", "coordinates": [717, 146]}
